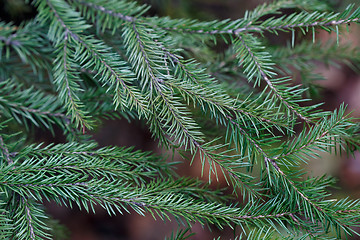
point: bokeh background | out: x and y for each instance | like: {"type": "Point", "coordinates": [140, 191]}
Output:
{"type": "Point", "coordinates": [342, 84]}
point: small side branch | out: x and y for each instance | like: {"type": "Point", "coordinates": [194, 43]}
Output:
{"type": "Point", "coordinates": [107, 11]}
{"type": "Point", "coordinates": [50, 185]}
{"type": "Point", "coordinates": [5, 151]}
{"type": "Point", "coordinates": [259, 28]}
{"type": "Point", "coordinates": [28, 217]}
{"type": "Point", "coordinates": [205, 97]}
{"type": "Point", "coordinates": [193, 212]}
{"type": "Point", "coordinates": [272, 161]}
{"type": "Point", "coordinates": [298, 25]}
{"type": "Point", "coordinates": [270, 84]}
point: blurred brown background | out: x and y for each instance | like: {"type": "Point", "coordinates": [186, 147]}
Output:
{"type": "Point", "coordinates": [341, 85]}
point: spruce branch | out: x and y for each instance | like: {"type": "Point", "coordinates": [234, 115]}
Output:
{"type": "Point", "coordinates": [105, 7]}
{"type": "Point", "coordinates": [209, 97]}
{"type": "Point", "coordinates": [5, 151]}
{"type": "Point", "coordinates": [325, 134]}
{"type": "Point", "coordinates": [276, 6]}
{"type": "Point", "coordinates": [29, 220]}
{"type": "Point", "coordinates": [29, 43]}
{"type": "Point", "coordinates": [97, 56]}
{"type": "Point", "coordinates": [79, 62]}
{"type": "Point", "coordinates": [5, 220]}
{"type": "Point", "coordinates": [150, 73]}
{"type": "Point", "coordinates": [30, 105]}
{"type": "Point", "coordinates": [183, 128]}
{"type": "Point", "coordinates": [284, 182]}
{"type": "Point", "coordinates": [105, 162]}
{"type": "Point", "coordinates": [67, 86]}
{"type": "Point", "coordinates": [256, 61]}
{"type": "Point", "coordinates": [156, 198]}
{"type": "Point", "coordinates": [303, 20]}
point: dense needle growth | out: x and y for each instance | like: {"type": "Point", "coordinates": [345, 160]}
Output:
{"type": "Point", "coordinates": [79, 61]}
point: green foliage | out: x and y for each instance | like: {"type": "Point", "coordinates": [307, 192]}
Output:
{"type": "Point", "coordinates": [79, 61]}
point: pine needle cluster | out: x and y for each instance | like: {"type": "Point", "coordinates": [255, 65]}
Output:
{"type": "Point", "coordinates": [79, 61]}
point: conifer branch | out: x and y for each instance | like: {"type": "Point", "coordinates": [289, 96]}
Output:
{"type": "Point", "coordinates": [21, 41]}
{"type": "Point", "coordinates": [302, 20]}
{"type": "Point", "coordinates": [264, 74]}
{"type": "Point", "coordinates": [106, 11]}
{"type": "Point", "coordinates": [40, 109]}
{"type": "Point", "coordinates": [156, 197]}
{"type": "Point", "coordinates": [5, 151]}
{"type": "Point", "coordinates": [192, 138]}
{"type": "Point", "coordinates": [23, 218]}
{"type": "Point", "coordinates": [107, 162]}
{"type": "Point", "coordinates": [276, 6]}
{"type": "Point", "coordinates": [111, 60]}
{"type": "Point", "coordinates": [99, 53]}
{"type": "Point", "coordinates": [271, 161]}
{"type": "Point", "coordinates": [325, 133]}
{"type": "Point", "coordinates": [287, 27]}
{"type": "Point", "coordinates": [28, 218]}
{"type": "Point", "coordinates": [66, 82]}
{"type": "Point", "coordinates": [152, 79]}
{"type": "Point", "coordinates": [219, 100]}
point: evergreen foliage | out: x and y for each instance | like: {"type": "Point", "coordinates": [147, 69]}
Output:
{"type": "Point", "coordinates": [79, 61]}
